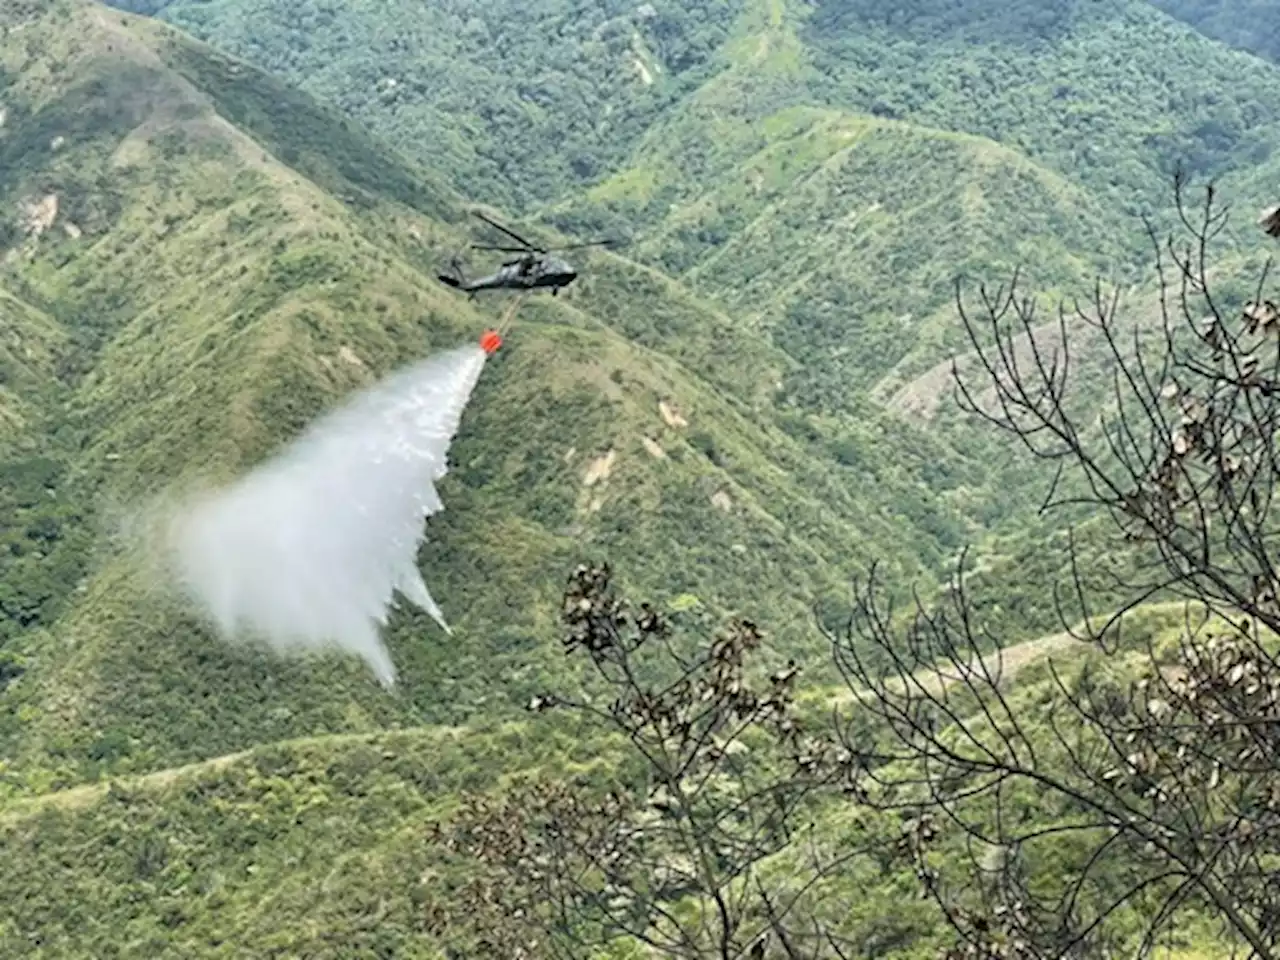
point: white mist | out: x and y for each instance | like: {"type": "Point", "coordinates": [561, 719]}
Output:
{"type": "Point", "coordinates": [308, 550]}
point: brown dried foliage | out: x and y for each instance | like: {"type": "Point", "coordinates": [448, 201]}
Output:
{"type": "Point", "coordinates": [1156, 795]}
{"type": "Point", "coordinates": [709, 852]}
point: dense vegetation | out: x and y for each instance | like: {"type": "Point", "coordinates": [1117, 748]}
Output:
{"type": "Point", "coordinates": [294, 256]}
{"type": "Point", "coordinates": [822, 171]}
{"type": "Point", "coordinates": [1102, 92]}
{"type": "Point", "coordinates": [740, 409]}
{"type": "Point", "coordinates": [1252, 25]}
{"type": "Point", "coordinates": [480, 89]}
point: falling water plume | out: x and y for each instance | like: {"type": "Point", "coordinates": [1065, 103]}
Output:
{"type": "Point", "coordinates": [308, 550]}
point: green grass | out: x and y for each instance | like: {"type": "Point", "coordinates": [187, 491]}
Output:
{"type": "Point", "coordinates": [312, 846]}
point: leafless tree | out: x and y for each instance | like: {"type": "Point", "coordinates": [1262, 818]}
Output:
{"type": "Point", "coordinates": [1137, 786]}
{"type": "Point", "coordinates": [711, 851]}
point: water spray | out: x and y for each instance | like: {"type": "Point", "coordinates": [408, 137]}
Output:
{"type": "Point", "coordinates": [310, 549]}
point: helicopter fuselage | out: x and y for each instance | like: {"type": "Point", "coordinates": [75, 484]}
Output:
{"type": "Point", "coordinates": [525, 274]}
{"type": "Point", "coordinates": [536, 268]}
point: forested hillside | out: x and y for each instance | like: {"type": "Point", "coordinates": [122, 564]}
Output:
{"type": "Point", "coordinates": [208, 240]}
{"type": "Point", "coordinates": [201, 268]}
{"type": "Point", "coordinates": [540, 100]}
{"type": "Point", "coordinates": [796, 162]}
{"type": "Point", "coordinates": [1252, 25]}
{"type": "Point", "coordinates": [1249, 25]}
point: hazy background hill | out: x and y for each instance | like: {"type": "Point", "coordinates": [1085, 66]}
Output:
{"type": "Point", "coordinates": [823, 170]}
{"type": "Point", "coordinates": [1252, 25]}
{"type": "Point", "coordinates": [540, 99]}
{"type": "Point", "coordinates": [740, 408]}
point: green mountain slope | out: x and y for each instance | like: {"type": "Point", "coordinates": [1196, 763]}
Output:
{"type": "Point", "coordinates": [225, 261]}
{"type": "Point", "coordinates": [1107, 93]}
{"type": "Point", "coordinates": [315, 847]}
{"type": "Point", "coordinates": [840, 238]}
{"type": "Point", "coordinates": [1252, 25]}
{"type": "Point", "coordinates": [324, 847]}
{"type": "Point", "coordinates": [821, 170]}
{"type": "Point", "coordinates": [482, 90]}
{"type": "Point", "coordinates": [241, 257]}
{"type": "Point", "coordinates": [532, 102]}
{"type": "Point", "coordinates": [30, 344]}
{"type": "Point", "coordinates": [196, 260]}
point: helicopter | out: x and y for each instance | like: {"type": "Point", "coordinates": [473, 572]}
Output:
{"type": "Point", "coordinates": [535, 269]}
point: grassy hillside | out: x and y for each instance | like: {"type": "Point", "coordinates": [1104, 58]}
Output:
{"type": "Point", "coordinates": [304, 847]}
{"type": "Point", "coordinates": [29, 351]}
{"type": "Point", "coordinates": [324, 847]}
{"type": "Point", "coordinates": [319, 848]}
{"type": "Point", "coordinates": [840, 238]}
{"type": "Point", "coordinates": [224, 259]}
{"type": "Point", "coordinates": [820, 171]}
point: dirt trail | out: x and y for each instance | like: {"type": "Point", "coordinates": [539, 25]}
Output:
{"type": "Point", "coordinates": [85, 795]}
{"type": "Point", "coordinates": [1007, 663]}
{"type": "Point", "coordinates": [1002, 665]}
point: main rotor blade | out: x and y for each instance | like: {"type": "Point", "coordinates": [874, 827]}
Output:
{"type": "Point", "coordinates": [580, 246]}
{"type": "Point", "coordinates": [484, 246]}
{"type": "Point", "coordinates": [510, 233]}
